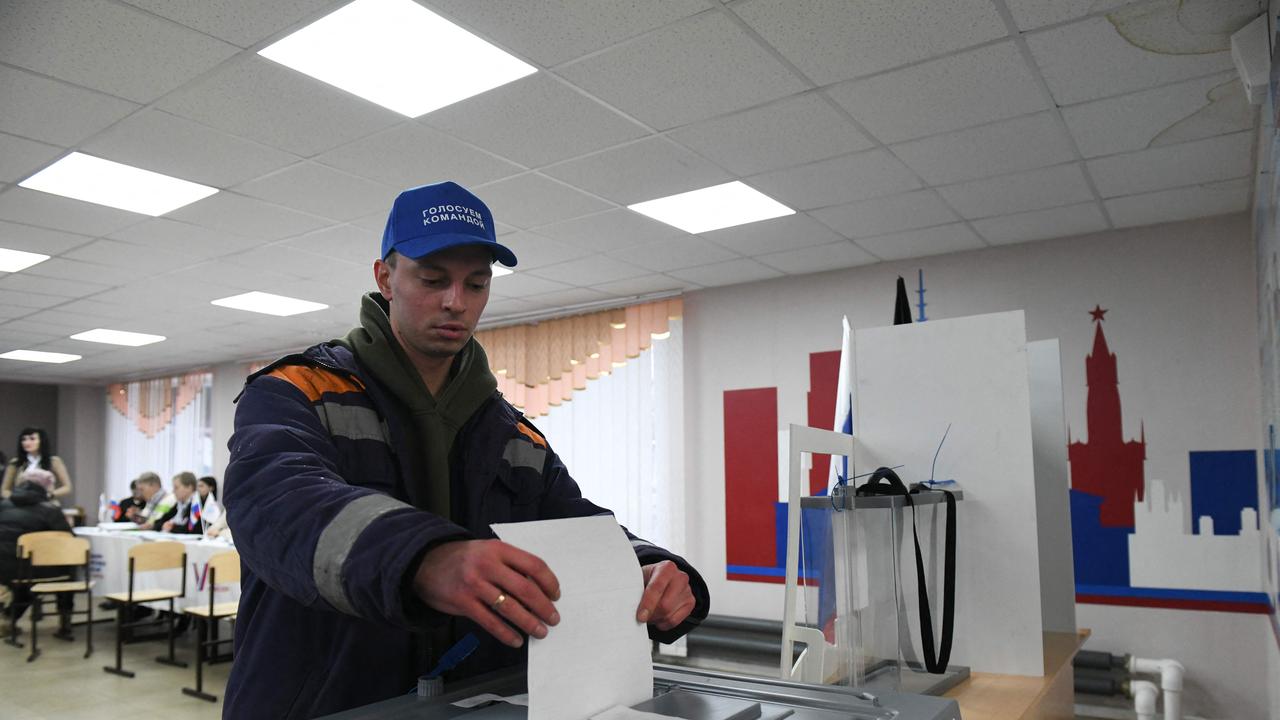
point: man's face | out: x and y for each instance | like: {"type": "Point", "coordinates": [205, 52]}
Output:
{"type": "Point", "coordinates": [436, 301]}
{"type": "Point", "coordinates": [182, 492]}
{"type": "Point", "coordinates": [148, 490]}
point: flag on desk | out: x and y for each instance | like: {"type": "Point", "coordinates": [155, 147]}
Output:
{"type": "Point", "coordinates": [193, 517]}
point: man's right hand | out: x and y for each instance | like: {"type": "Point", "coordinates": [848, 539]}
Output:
{"type": "Point", "coordinates": [468, 577]}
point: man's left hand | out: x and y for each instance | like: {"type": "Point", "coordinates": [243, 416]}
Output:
{"type": "Point", "coordinates": [667, 599]}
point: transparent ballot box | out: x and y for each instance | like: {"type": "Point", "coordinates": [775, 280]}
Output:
{"type": "Point", "coordinates": [846, 620]}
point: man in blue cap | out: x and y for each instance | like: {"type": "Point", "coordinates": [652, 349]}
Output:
{"type": "Point", "coordinates": [365, 473]}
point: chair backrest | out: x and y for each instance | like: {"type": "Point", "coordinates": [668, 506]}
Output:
{"type": "Point", "coordinates": [63, 550]}
{"type": "Point", "coordinates": [167, 555]}
{"type": "Point", "coordinates": [27, 540]}
{"type": "Point", "coordinates": [225, 567]}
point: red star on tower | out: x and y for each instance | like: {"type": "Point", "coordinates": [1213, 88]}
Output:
{"type": "Point", "coordinates": [1097, 312]}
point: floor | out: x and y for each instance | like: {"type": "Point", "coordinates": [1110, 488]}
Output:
{"type": "Point", "coordinates": [61, 684]}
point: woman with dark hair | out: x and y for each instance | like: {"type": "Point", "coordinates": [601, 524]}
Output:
{"type": "Point", "coordinates": [35, 452]}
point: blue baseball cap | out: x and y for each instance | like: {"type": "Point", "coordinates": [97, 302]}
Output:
{"type": "Point", "coordinates": [430, 218]}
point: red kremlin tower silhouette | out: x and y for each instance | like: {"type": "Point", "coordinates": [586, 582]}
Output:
{"type": "Point", "coordinates": [1107, 466]}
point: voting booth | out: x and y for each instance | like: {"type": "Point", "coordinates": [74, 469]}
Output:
{"type": "Point", "coordinates": [966, 405]}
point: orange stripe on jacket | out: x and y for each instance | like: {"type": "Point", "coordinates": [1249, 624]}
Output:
{"type": "Point", "coordinates": [535, 437]}
{"type": "Point", "coordinates": [314, 382]}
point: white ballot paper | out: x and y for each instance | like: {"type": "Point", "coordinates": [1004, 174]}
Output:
{"type": "Point", "coordinates": [598, 656]}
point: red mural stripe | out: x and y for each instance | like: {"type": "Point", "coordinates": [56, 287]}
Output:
{"type": "Point", "coordinates": [1175, 604]}
{"type": "Point", "coordinates": [750, 476]}
{"type": "Point", "coordinates": [824, 379]}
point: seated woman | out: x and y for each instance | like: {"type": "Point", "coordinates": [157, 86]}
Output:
{"type": "Point", "coordinates": [179, 518]}
{"type": "Point", "coordinates": [35, 452]}
{"type": "Point", "coordinates": [210, 509]}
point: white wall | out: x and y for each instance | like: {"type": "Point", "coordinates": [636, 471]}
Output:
{"type": "Point", "coordinates": [1182, 322]}
{"type": "Point", "coordinates": [81, 442]}
{"type": "Point", "coordinates": [228, 381]}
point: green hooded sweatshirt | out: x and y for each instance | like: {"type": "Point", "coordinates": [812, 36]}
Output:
{"type": "Point", "coordinates": [436, 421]}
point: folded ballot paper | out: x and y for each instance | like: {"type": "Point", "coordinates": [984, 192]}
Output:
{"type": "Point", "coordinates": [598, 656]}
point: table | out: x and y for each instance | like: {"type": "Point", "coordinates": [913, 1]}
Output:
{"type": "Point", "coordinates": [988, 696]}
{"type": "Point", "coordinates": [109, 565]}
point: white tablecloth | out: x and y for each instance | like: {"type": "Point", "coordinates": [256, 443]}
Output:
{"type": "Point", "coordinates": [109, 565]}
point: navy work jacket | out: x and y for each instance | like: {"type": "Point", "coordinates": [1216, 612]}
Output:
{"type": "Point", "coordinates": [316, 497]}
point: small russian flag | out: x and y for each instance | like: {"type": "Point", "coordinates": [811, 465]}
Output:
{"type": "Point", "coordinates": [193, 517]}
{"type": "Point", "coordinates": [114, 507]}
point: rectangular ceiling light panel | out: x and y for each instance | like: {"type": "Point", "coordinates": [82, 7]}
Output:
{"type": "Point", "coordinates": [712, 208]}
{"type": "Point", "coordinates": [84, 177]}
{"type": "Point", "coordinates": [117, 337]}
{"type": "Point", "coordinates": [39, 356]}
{"type": "Point", "coordinates": [269, 304]}
{"type": "Point", "coordinates": [397, 54]}
{"type": "Point", "coordinates": [15, 260]}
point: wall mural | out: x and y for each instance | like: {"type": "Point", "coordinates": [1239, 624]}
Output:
{"type": "Point", "coordinates": [1131, 539]}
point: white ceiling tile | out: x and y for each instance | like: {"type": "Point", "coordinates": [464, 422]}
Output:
{"type": "Point", "coordinates": [285, 260]}
{"type": "Point", "coordinates": [239, 22]}
{"type": "Point", "coordinates": [53, 111]}
{"type": "Point", "coordinates": [30, 299]}
{"type": "Point", "coordinates": [193, 241]}
{"type": "Point", "coordinates": [534, 250]}
{"type": "Point", "coordinates": [499, 308]}
{"type": "Point", "coordinates": [523, 284]}
{"type": "Point", "coordinates": [24, 282]}
{"type": "Point", "coordinates": [9, 312]}
{"type": "Point", "coordinates": [95, 308]}
{"type": "Point", "coordinates": [1042, 224]}
{"type": "Point", "coordinates": [837, 181]}
{"type": "Point", "coordinates": [644, 285]}
{"type": "Point", "coordinates": [551, 33]}
{"type": "Point", "coordinates": [1202, 161]}
{"type": "Point", "coordinates": [342, 242]}
{"type": "Point", "coordinates": [819, 258]}
{"type": "Point", "coordinates": [1175, 113]}
{"type": "Point", "coordinates": [610, 230]}
{"type": "Point", "coordinates": [1002, 147]}
{"type": "Point", "coordinates": [232, 213]}
{"type": "Point", "coordinates": [685, 72]}
{"type": "Point", "coordinates": [1031, 14]}
{"type": "Point", "coordinates": [1019, 192]}
{"type": "Point", "coordinates": [217, 275]}
{"type": "Point", "coordinates": [144, 260]}
{"type": "Point", "coordinates": [591, 270]}
{"type": "Point", "coordinates": [644, 170]}
{"type": "Point", "coordinates": [834, 40]}
{"type": "Point", "coordinates": [971, 88]}
{"type": "Point", "coordinates": [727, 273]}
{"type": "Point", "coordinates": [531, 200]}
{"type": "Point", "coordinates": [769, 236]}
{"type": "Point", "coordinates": [769, 137]}
{"type": "Point", "coordinates": [164, 143]}
{"type": "Point", "coordinates": [534, 121]}
{"type": "Point", "coordinates": [919, 243]}
{"type": "Point", "coordinates": [105, 46]}
{"type": "Point", "coordinates": [1091, 59]}
{"type": "Point", "coordinates": [15, 333]}
{"type": "Point", "coordinates": [32, 207]}
{"type": "Point", "coordinates": [880, 216]}
{"type": "Point", "coordinates": [20, 157]}
{"type": "Point", "coordinates": [38, 239]}
{"type": "Point", "coordinates": [321, 190]}
{"type": "Point", "coordinates": [410, 155]}
{"type": "Point", "coordinates": [377, 222]}
{"type": "Point", "coordinates": [338, 288]}
{"type": "Point", "coordinates": [1181, 203]}
{"type": "Point", "coordinates": [566, 298]}
{"type": "Point", "coordinates": [260, 100]}
{"type": "Point", "coordinates": [65, 269]}
{"type": "Point", "coordinates": [665, 255]}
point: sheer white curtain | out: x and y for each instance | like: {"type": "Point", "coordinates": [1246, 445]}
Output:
{"type": "Point", "coordinates": [623, 441]}
{"type": "Point", "coordinates": [185, 443]}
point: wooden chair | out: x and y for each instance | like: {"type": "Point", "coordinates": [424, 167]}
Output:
{"type": "Point", "coordinates": [225, 568]}
{"type": "Point", "coordinates": [148, 557]}
{"type": "Point", "coordinates": [62, 550]}
{"type": "Point", "coordinates": [25, 541]}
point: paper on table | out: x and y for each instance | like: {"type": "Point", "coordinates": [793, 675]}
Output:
{"type": "Point", "coordinates": [521, 699]}
{"type": "Point", "coordinates": [598, 656]}
{"type": "Point", "coordinates": [621, 712]}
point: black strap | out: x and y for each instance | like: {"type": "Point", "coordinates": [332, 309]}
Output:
{"type": "Point", "coordinates": [934, 662]}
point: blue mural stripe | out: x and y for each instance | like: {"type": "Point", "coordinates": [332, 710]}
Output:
{"type": "Point", "coordinates": [762, 571]}
{"type": "Point", "coordinates": [1173, 594]}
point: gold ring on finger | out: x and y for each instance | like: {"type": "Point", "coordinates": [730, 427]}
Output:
{"type": "Point", "coordinates": [502, 597]}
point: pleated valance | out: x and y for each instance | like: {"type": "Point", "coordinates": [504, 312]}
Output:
{"type": "Point", "coordinates": [150, 405]}
{"type": "Point", "coordinates": [540, 365]}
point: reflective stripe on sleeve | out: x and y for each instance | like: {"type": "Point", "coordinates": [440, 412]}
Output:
{"type": "Point", "coordinates": [352, 422]}
{"type": "Point", "coordinates": [519, 453]}
{"type": "Point", "coordinates": [338, 538]}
